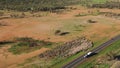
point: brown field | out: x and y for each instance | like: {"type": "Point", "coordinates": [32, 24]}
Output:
{"type": "Point", "coordinates": [9, 60]}
{"type": "Point", "coordinates": [43, 28]}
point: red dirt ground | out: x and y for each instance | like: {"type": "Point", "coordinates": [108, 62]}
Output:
{"type": "Point", "coordinates": [43, 28]}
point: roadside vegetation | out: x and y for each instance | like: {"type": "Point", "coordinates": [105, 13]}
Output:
{"type": "Point", "coordinates": [104, 59]}
{"type": "Point", "coordinates": [57, 61]}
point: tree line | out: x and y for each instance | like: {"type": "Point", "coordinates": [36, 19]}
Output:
{"type": "Point", "coordinates": [49, 5]}
{"type": "Point", "coordinates": [108, 4]}
{"type": "Point", "coordinates": [35, 5]}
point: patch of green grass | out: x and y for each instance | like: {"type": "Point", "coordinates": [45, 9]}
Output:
{"type": "Point", "coordinates": [113, 47]}
{"type": "Point", "coordinates": [26, 45]}
{"type": "Point", "coordinates": [79, 15]}
{"type": "Point", "coordinates": [66, 60]}
{"type": "Point", "coordinates": [94, 13]}
{"type": "Point", "coordinates": [16, 49]}
{"type": "Point", "coordinates": [73, 25]}
{"type": "Point", "coordinates": [99, 1]}
{"type": "Point", "coordinates": [91, 64]}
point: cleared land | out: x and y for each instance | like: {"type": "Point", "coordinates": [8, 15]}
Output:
{"type": "Point", "coordinates": [44, 27]}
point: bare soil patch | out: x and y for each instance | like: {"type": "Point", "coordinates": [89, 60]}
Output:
{"type": "Point", "coordinates": [10, 61]}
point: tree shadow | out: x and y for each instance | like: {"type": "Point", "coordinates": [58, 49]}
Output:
{"type": "Point", "coordinates": [6, 42]}
{"type": "Point", "coordinates": [64, 33]}
{"type": "Point", "coordinates": [117, 57]}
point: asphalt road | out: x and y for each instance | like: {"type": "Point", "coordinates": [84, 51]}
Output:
{"type": "Point", "coordinates": [80, 59]}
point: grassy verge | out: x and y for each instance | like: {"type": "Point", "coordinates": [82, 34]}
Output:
{"type": "Point", "coordinates": [16, 49]}
{"type": "Point", "coordinates": [65, 61]}
{"type": "Point", "coordinates": [69, 59]}
{"type": "Point", "coordinates": [92, 61]}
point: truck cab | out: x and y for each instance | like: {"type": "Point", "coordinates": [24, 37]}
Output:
{"type": "Point", "coordinates": [88, 54]}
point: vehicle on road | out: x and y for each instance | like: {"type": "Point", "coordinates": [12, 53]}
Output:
{"type": "Point", "coordinates": [88, 54]}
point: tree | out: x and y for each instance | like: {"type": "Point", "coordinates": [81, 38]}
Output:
{"type": "Point", "coordinates": [111, 55]}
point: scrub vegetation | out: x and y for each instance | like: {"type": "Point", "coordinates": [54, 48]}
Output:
{"type": "Point", "coordinates": [105, 59]}
{"type": "Point", "coordinates": [26, 45]}
{"type": "Point", "coordinates": [52, 33]}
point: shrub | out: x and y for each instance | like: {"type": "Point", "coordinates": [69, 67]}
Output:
{"type": "Point", "coordinates": [111, 55]}
{"type": "Point", "coordinates": [91, 21]}
{"type": "Point", "coordinates": [14, 15]}
{"type": "Point", "coordinates": [1, 13]}
{"type": "Point", "coordinates": [22, 15]}
{"type": "Point", "coordinates": [57, 32]}
{"type": "Point", "coordinates": [81, 14]}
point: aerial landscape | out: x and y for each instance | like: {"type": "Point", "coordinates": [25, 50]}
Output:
{"type": "Point", "coordinates": [59, 33]}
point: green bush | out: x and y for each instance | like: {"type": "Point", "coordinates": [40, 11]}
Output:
{"type": "Point", "coordinates": [83, 14]}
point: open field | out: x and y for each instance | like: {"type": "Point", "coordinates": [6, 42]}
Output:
{"type": "Point", "coordinates": [43, 27]}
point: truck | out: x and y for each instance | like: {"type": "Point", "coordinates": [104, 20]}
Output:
{"type": "Point", "coordinates": [88, 54]}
